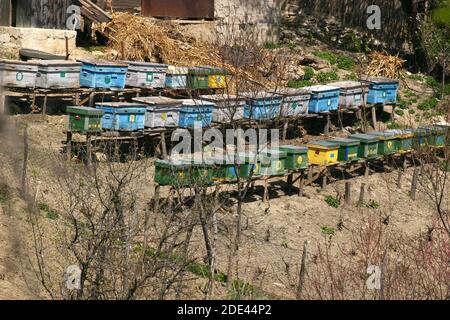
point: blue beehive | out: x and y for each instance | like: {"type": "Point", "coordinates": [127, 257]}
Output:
{"type": "Point", "coordinates": [176, 77]}
{"type": "Point", "coordinates": [122, 116]}
{"type": "Point", "coordinates": [196, 113]}
{"type": "Point", "coordinates": [323, 98]}
{"type": "Point", "coordinates": [262, 105]}
{"type": "Point", "coordinates": [382, 90]}
{"type": "Point", "coordinates": [102, 74]}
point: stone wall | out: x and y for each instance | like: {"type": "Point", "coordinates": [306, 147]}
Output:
{"type": "Point", "coordinates": [48, 40]}
{"type": "Point", "coordinates": [238, 18]}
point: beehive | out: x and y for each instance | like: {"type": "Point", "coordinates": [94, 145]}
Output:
{"type": "Point", "coordinates": [295, 102]}
{"type": "Point", "coordinates": [421, 138]}
{"type": "Point", "coordinates": [217, 77]}
{"type": "Point", "coordinates": [162, 112]}
{"type": "Point", "coordinates": [58, 74]}
{"type": "Point", "coordinates": [368, 148]}
{"type": "Point", "coordinates": [272, 162]}
{"type": "Point", "coordinates": [382, 90]}
{"type": "Point", "coordinates": [403, 141]}
{"type": "Point", "coordinates": [228, 108]}
{"type": "Point", "coordinates": [146, 75]}
{"type": "Point", "coordinates": [122, 116]}
{"type": "Point", "coordinates": [436, 135]}
{"type": "Point", "coordinates": [348, 149]}
{"type": "Point", "coordinates": [323, 153]}
{"type": "Point", "coordinates": [261, 105]}
{"type": "Point", "coordinates": [323, 98]}
{"type": "Point", "coordinates": [353, 93]}
{"type": "Point", "coordinates": [85, 119]}
{"type": "Point", "coordinates": [18, 74]}
{"type": "Point", "coordinates": [196, 113]}
{"type": "Point", "coordinates": [198, 78]}
{"type": "Point", "coordinates": [297, 157]}
{"type": "Point", "coordinates": [387, 144]}
{"type": "Point", "coordinates": [172, 173]}
{"type": "Point", "coordinates": [103, 74]}
{"type": "Point", "coordinates": [202, 173]}
{"type": "Point", "coordinates": [176, 77]}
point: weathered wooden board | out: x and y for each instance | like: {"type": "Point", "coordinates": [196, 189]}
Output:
{"type": "Point", "coordinates": [5, 12]}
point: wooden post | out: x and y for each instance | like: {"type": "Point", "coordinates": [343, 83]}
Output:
{"type": "Point", "coordinates": [92, 99]}
{"type": "Point", "coordinates": [290, 180]}
{"type": "Point", "coordinates": [171, 198]}
{"type": "Point", "coordinates": [164, 146]}
{"type": "Point", "coordinates": [324, 180]}
{"type": "Point", "coordinates": [24, 164]}
{"type": "Point", "coordinates": [89, 149]}
{"type": "Point", "coordinates": [301, 183]}
{"type": "Point", "coordinates": [156, 198]}
{"type": "Point", "coordinates": [366, 169]}
{"type": "Point", "coordinates": [77, 99]}
{"type": "Point", "coordinates": [67, 48]}
{"type": "Point", "coordinates": [310, 173]}
{"type": "Point", "coordinates": [266, 190]}
{"type": "Point", "coordinates": [374, 117]}
{"type": "Point", "coordinates": [285, 129]}
{"type": "Point", "coordinates": [348, 190]}
{"type": "Point", "coordinates": [33, 102]}
{"type": "Point", "coordinates": [399, 178]}
{"type": "Point", "coordinates": [414, 183]}
{"type": "Point", "coordinates": [44, 106]}
{"type": "Point", "coordinates": [302, 272]}
{"type": "Point", "coordinates": [326, 130]}
{"type": "Point", "coordinates": [361, 194]}
{"type": "Point", "coordinates": [2, 103]}
{"type": "Point", "coordinates": [69, 145]}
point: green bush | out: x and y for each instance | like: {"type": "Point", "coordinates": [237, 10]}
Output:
{"type": "Point", "coordinates": [428, 104]}
{"type": "Point", "coordinates": [325, 77]}
{"type": "Point", "coordinates": [309, 73]}
{"type": "Point", "coordinates": [328, 231]}
{"type": "Point", "coordinates": [272, 45]}
{"type": "Point", "coordinates": [332, 201]}
{"type": "Point", "coordinates": [299, 83]}
{"type": "Point", "coordinates": [345, 63]}
{"type": "Point", "coordinates": [399, 112]}
{"type": "Point", "coordinates": [49, 212]}
{"type": "Point", "coordinates": [372, 204]}
{"type": "Point", "coordinates": [340, 60]}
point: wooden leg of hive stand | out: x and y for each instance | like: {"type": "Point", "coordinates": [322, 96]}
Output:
{"type": "Point", "coordinates": [69, 136]}
{"type": "Point", "coordinates": [89, 149]}
{"type": "Point", "coordinates": [156, 198]}
{"type": "Point", "coordinates": [290, 179]}
{"type": "Point", "coordinates": [374, 117]}
{"type": "Point", "coordinates": [266, 190]}
{"type": "Point", "coordinates": [301, 185]}
{"type": "Point", "coordinates": [44, 106]}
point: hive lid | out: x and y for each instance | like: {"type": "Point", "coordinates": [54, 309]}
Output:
{"type": "Point", "coordinates": [172, 164]}
{"type": "Point", "coordinates": [57, 63]}
{"type": "Point", "coordinates": [197, 103]}
{"type": "Point", "coordinates": [26, 63]}
{"type": "Point", "coordinates": [157, 101]}
{"type": "Point", "coordinates": [291, 92]}
{"type": "Point", "coordinates": [273, 153]}
{"type": "Point", "coordinates": [177, 70]}
{"type": "Point", "coordinates": [212, 70]}
{"type": "Point", "coordinates": [324, 144]}
{"type": "Point", "coordinates": [349, 84]}
{"type": "Point", "coordinates": [366, 138]}
{"type": "Point", "coordinates": [384, 135]}
{"type": "Point", "coordinates": [434, 129]}
{"type": "Point", "coordinates": [293, 149]}
{"type": "Point", "coordinates": [222, 98]}
{"type": "Point", "coordinates": [84, 111]}
{"type": "Point", "coordinates": [261, 95]}
{"type": "Point", "coordinates": [121, 104]}
{"type": "Point", "coordinates": [321, 88]}
{"type": "Point", "coordinates": [102, 63]}
{"type": "Point", "coordinates": [145, 64]}
{"type": "Point", "coordinates": [407, 133]}
{"type": "Point", "coordinates": [380, 80]}
{"type": "Point", "coordinates": [346, 142]}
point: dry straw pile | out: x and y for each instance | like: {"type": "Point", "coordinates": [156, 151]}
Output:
{"type": "Point", "coordinates": [384, 65]}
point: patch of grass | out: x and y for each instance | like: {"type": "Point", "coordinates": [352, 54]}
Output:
{"type": "Point", "coordinates": [309, 73]}
{"type": "Point", "coordinates": [332, 201]}
{"type": "Point", "coordinates": [285, 244]}
{"type": "Point", "coordinates": [325, 77]}
{"type": "Point", "coordinates": [340, 60]}
{"type": "Point", "coordinates": [399, 112]}
{"type": "Point", "coordinates": [94, 48]}
{"type": "Point", "coordinates": [372, 204]}
{"type": "Point", "coordinates": [272, 45]}
{"type": "Point", "coordinates": [352, 77]}
{"type": "Point", "coordinates": [428, 104]}
{"type": "Point", "coordinates": [328, 231]}
{"type": "Point", "coordinates": [299, 83]}
{"type": "Point", "coordinates": [49, 212]}
{"type": "Point", "coordinates": [394, 125]}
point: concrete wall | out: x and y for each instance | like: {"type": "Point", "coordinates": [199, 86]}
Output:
{"type": "Point", "coordinates": [48, 40]}
{"type": "Point", "coordinates": [241, 18]}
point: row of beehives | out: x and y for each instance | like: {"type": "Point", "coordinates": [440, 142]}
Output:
{"type": "Point", "coordinates": [163, 112]}
{"type": "Point", "coordinates": [228, 167]}
{"type": "Point", "coordinates": [60, 74]}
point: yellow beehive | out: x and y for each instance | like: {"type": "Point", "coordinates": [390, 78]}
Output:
{"type": "Point", "coordinates": [323, 153]}
{"type": "Point", "coordinates": [217, 81]}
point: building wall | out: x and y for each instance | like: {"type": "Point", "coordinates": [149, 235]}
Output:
{"type": "Point", "coordinates": [257, 19]}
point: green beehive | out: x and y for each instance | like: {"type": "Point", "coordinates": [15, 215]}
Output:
{"type": "Point", "coordinates": [85, 119]}
{"type": "Point", "coordinates": [436, 135]}
{"type": "Point", "coordinates": [223, 168]}
{"type": "Point", "coordinates": [198, 78]}
{"type": "Point", "coordinates": [228, 168]}
{"type": "Point", "coordinates": [273, 163]}
{"type": "Point", "coordinates": [348, 149]}
{"type": "Point", "coordinates": [387, 144]}
{"type": "Point", "coordinates": [421, 138]}
{"type": "Point", "coordinates": [403, 140]}
{"type": "Point", "coordinates": [201, 173]}
{"type": "Point", "coordinates": [368, 147]}
{"type": "Point", "coordinates": [297, 157]}
{"type": "Point", "coordinates": [172, 173]}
